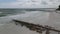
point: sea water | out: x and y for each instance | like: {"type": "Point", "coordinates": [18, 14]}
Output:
{"type": "Point", "coordinates": [7, 26]}
{"type": "Point", "coordinates": [9, 14]}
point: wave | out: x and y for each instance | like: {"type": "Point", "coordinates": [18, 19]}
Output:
{"type": "Point", "coordinates": [26, 17]}
{"type": "Point", "coordinates": [8, 18]}
{"type": "Point", "coordinates": [8, 12]}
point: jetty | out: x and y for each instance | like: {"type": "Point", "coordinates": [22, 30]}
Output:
{"type": "Point", "coordinates": [36, 27]}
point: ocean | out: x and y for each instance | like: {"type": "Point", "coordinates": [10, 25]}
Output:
{"type": "Point", "coordinates": [7, 14]}
{"type": "Point", "coordinates": [34, 16]}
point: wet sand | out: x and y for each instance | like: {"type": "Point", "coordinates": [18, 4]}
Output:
{"type": "Point", "coordinates": [48, 18]}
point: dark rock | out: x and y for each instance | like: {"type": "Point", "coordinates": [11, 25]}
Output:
{"type": "Point", "coordinates": [58, 8]}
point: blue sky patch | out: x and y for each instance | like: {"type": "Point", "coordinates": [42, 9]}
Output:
{"type": "Point", "coordinates": [4, 1]}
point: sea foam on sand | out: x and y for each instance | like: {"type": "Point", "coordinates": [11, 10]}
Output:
{"type": "Point", "coordinates": [32, 17]}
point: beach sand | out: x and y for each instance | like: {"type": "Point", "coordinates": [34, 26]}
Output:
{"type": "Point", "coordinates": [47, 18]}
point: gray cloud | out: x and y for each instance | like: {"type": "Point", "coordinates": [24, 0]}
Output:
{"type": "Point", "coordinates": [31, 4]}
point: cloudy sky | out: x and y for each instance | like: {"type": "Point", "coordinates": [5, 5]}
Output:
{"type": "Point", "coordinates": [29, 3]}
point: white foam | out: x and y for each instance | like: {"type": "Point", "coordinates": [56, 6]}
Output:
{"type": "Point", "coordinates": [28, 16]}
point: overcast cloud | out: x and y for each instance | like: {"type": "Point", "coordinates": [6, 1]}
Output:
{"type": "Point", "coordinates": [29, 3]}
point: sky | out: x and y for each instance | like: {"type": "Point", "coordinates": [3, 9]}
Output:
{"type": "Point", "coordinates": [29, 3]}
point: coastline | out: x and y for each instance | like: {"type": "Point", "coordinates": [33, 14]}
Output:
{"type": "Point", "coordinates": [47, 18]}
